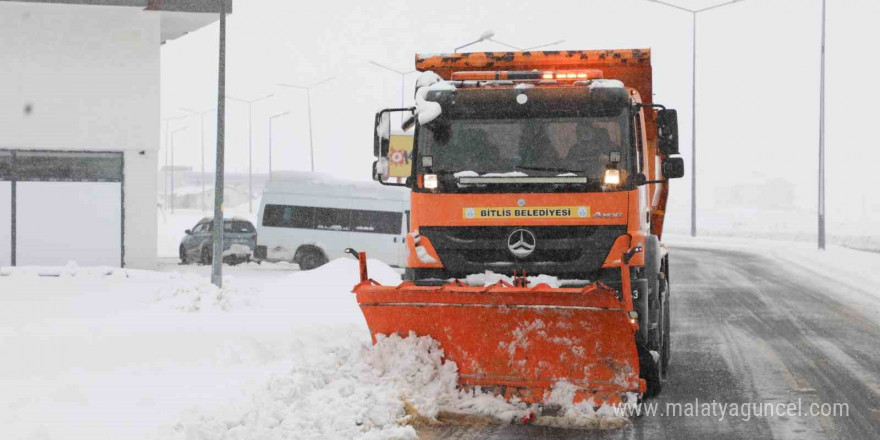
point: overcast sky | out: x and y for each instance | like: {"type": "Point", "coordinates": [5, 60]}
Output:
{"type": "Point", "coordinates": [757, 83]}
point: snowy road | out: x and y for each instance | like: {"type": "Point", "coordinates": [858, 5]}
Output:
{"type": "Point", "coordinates": [750, 329]}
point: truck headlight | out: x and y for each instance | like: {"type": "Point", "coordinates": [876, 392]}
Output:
{"type": "Point", "coordinates": [612, 177]}
{"type": "Point", "coordinates": [431, 181]}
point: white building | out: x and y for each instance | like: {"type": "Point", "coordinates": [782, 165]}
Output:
{"type": "Point", "coordinates": [79, 126]}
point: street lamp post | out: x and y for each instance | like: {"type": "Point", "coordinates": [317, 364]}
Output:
{"type": "Point", "coordinates": [250, 104]}
{"type": "Point", "coordinates": [488, 36]}
{"type": "Point", "coordinates": [483, 37]}
{"type": "Point", "coordinates": [172, 164]}
{"type": "Point", "coordinates": [167, 144]}
{"type": "Point", "coordinates": [402, 81]}
{"type": "Point", "coordinates": [822, 139]}
{"type": "Point", "coordinates": [202, 115]}
{"type": "Point", "coordinates": [694, 13]}
{"type": "Point", "coordinates": [271, 118]}
{"type": "Point", "coordinates": [308, 90]}
{"type": "Point", "coordinates": [217, 229]}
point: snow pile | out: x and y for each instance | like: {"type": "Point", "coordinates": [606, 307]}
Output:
{"type": "Point", "coordinates": [426, 110]}
{"type": "Point", "coordinates": [194, 294]}
{"type": "Point", "coordinates": [489, 278]}
{"type": "Point", "coordinates": [71, 269]}
{"type": "Point", "coordinates": [349, 390]}
{"type": "Point", "coordinates": [582, 414]}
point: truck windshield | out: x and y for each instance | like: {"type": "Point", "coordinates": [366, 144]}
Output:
{"type": "Point", "coordinates": [583, 146]}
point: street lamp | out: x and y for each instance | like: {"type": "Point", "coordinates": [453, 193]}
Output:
{"type": "Point", "coordinates": [202, 115]}
{"type": "Point", "coordinates": [822, 139]}
{"type": "Point", "coordinates": [694, 13]}
{"type": "Point", "coordinates": [167, 122]}
{"type": "Point", "coordinates": [483, 37]}
{"type": "Point", "coordinates": [526, 48]}
{"type": "Point", "coordinates": [271, 118]}
{"type": "Point", "coordinates": [402, 81]}
{"type": "Point", "coordinates": [308, 90]}
{"type": "Point", "coordinates": [172, 164]}
{"type": "Point", "coordinates": [250, 104]}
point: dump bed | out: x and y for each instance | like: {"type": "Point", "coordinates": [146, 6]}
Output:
{"type": "Point", "coordinates": [631, 66]}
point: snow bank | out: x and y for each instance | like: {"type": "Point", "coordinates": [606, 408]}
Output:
{"type": "Point", "coordinates": [348, 390]}
{"type": "Point", "coordinates": [195, 294]}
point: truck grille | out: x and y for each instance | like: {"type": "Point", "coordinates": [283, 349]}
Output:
{"type": "Point", "coordinates": [563, 251]}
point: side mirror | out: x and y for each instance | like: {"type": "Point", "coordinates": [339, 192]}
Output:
{"type": "Point", "coordinates": [673, 168]}
{"type": "Point", "coordinates": [392, 149]}
{"type": "Point", "coordinates": [381, 170]}
{"type": "Point", "coordinates": [188, 232]}
{"type": "Point", "coordinates": [382, 135]}
{"type": "Point", "coordinates": [667, 131]}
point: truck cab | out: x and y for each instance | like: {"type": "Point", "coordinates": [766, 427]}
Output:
{"type": "Point", "coordinates": [543, 171]}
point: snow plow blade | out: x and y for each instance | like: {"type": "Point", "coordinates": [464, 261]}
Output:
{"type": "Point", "coordinates": [517, 341]}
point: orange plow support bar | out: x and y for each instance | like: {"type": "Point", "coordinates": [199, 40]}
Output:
{"type": "Point", "coordinates": [517, 341]}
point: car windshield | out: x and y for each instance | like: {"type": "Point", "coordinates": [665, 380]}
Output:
{"type": "Point", "coordinates": [236, 226]}
{"type": "Point", "coordinates": [536, 147]}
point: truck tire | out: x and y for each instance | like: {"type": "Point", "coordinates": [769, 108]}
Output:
{"type": "Point", "coordinates": [649, 370]}
{"type": "Point", "coordinates": [667, 330]}
{"type": "Point", "coordinates": [205, 256]}
{"type": "Point", "coordinates": [182, 252]}
{"type": "Point", "coordinates": [309, 257]}
{"type": "Point", "coordinates": [651, 301]}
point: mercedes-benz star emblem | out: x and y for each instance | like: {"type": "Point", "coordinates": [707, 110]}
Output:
{"type": "Point", "coordinates": [521, 243]}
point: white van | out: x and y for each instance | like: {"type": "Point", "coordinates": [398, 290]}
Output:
{"type": "Point", "coordinates": [310, 218]}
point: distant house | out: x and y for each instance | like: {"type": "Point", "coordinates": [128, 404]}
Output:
{"type": "Point", "coordinates": [80, 126]}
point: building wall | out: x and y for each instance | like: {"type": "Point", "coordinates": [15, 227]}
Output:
{"type": "Point", "coordinates": [80, 77]}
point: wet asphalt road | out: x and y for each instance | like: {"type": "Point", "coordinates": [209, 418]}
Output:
{"type": "Point", "coordinates": [746, 328]}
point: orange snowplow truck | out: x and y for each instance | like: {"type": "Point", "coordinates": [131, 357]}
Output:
{"type": "Point", "coordinates": [539, 184]}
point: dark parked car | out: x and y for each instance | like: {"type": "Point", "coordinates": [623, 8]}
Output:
{"type": "Point", "coordinates": [239, 241]}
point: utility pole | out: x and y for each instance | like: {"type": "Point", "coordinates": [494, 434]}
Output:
{"type": "Point", "coordinates": [202, 115]}
{"type": "Point", "coordinates": [271, 118]}
{"type": "Point", "coordinates": [694, 13]}
{"type": "Point", "coordinates": [217, 229]}
{"type": "Point", "coordinates": [822, 139]}
{"type": "Point", "coordinates": [308, 90]}
{"type": "Point", "coordinates": [250, 104]}
{"type": "Point", "coordinates": [172, 164]}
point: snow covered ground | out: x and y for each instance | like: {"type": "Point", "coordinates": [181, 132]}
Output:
{"type": "Point", "coordinates": [137, 354]}
{"type": "Point", "coordinates": [277, 353]}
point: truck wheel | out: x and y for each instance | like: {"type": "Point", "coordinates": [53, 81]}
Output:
{"type": "Point", "coordinates": [649, 370]}
{"type": "Point", "coordinates": [663, 327]}
{"type": "Point", "coordinates": [310, 257]}
{"type": "Point", "coordinates": [205, 257]}
{"type": "Point", "coordinates": [182, 253]}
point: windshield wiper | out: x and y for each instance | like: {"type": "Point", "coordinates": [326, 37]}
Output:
{"type": "Point", "coordinates": [553, 169]}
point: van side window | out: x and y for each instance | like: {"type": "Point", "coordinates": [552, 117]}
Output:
{"type": "Point", "coordinates": [333, 219]}
{"type": "Point", "coordinates": [284, 216]}
{"type": "Point", "coordinates": [378, 222]}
